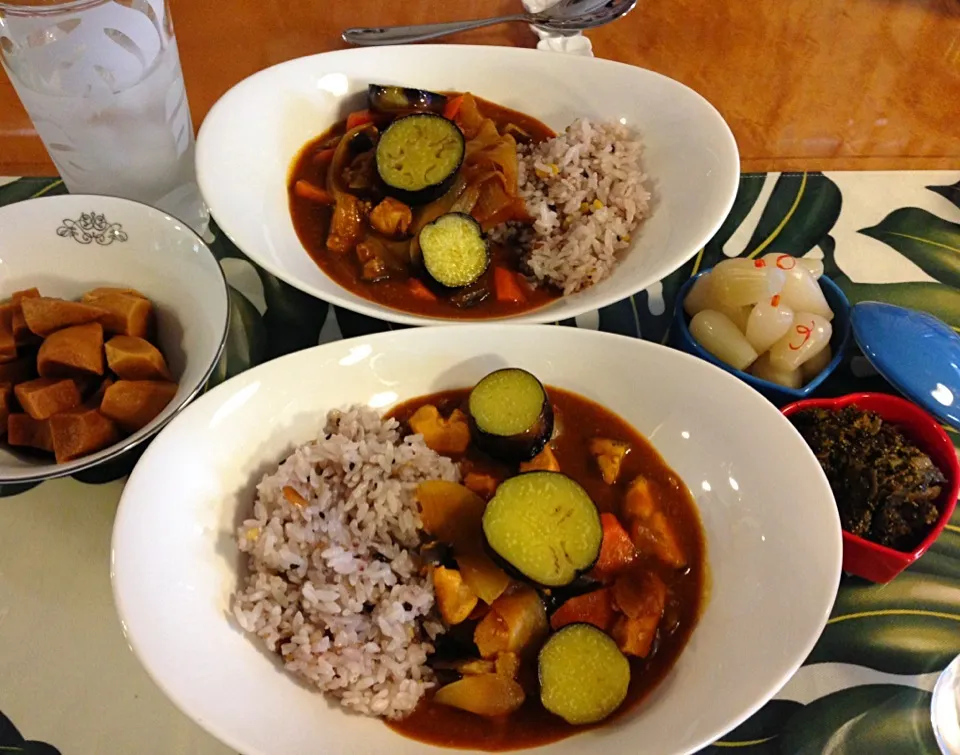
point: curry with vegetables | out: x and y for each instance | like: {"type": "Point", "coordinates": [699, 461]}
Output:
{"type": "Point", "coordinates": [396, 204]}
{"type": "Point", "coordinates": [568, 566]}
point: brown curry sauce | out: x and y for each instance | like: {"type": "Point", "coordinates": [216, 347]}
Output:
{"type": "Point", "coordinates": [311, 222]}
{"type": "Point", "coordinates": [579, 420]}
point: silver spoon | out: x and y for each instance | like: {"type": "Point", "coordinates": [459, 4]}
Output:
{"type": "Point", "coordinates": [567, 16]}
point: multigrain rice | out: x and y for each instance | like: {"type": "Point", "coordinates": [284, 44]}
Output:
{"type": "Point", "coordinates": [585, 190]}
{"type": "Point", "coordinates": [333, 584]}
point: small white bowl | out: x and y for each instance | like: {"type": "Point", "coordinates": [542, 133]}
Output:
{"type": "Point", "coordinates": [250, 138]}
{"type": "Point", "coordinates": [66, 245]}
{"type": "Point", "coordinates": [771, 526]}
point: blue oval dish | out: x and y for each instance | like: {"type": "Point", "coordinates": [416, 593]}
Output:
{"type": "Point", "coordinates": [680, 338]}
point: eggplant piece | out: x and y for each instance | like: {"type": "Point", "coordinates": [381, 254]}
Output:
{"type": "Point", "coordinates": [455, 254]}
{"type": "Point", "coordinates": [474, 294]}
{"type": "Point", "coordinates": [544, 525]}
{"type": "Point", "coordinates": [583, 675]}
{"type": "Point", "coordinates": [400, 100]}
{"type": "Point", "coordinates": [418, 157]}
{"type": "Point", "coordinates": [511, 415]}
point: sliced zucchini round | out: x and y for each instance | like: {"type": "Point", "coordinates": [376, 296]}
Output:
{"type": "Point", "coordinates": [583, 675]}
{"type": "Point", "coordinates": [454, 250]}
{"type": "Point", "coordinates": [511, 415]}
{"type": "Point", "coordinates": [544, 526]}
{"type": "Point", "coordinates": [418, 157]}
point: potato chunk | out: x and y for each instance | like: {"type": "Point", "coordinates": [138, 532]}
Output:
{"type": "Point", "coordinates": [132, 404]}
{"type": "Point", "coordinates": [73, 351]}
{"type": "Point", "coordinates": [127, 312]}
{"type": "Point", "coordinates": [45, 315]}
{"type": "Point", "coordinates": [44, 397]}
{"type": "Point", "coordinates": [77, 433]}
{"type": "Point", "coordinates": [454, 598]}
{"type": "Point", "coordinates": [133, 358]}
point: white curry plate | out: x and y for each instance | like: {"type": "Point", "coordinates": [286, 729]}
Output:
{"type": "Point", "coordinates": [250, 138]}
{"type": "Point", "coordinates": [770, 521]}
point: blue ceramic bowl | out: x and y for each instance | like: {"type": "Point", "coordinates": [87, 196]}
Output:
{"type": "Point", "coordinates": [680, 338]}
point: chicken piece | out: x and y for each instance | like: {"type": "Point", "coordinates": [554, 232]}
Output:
{"type": "Point", "coordinates": [44, 397]}
{"type": "Point", "coordinates": [545, 461]}
{"type": "Point", "coordinates": [650, 529]}
{"type": "Point", "coordinates": [445, 436]}
{"type": "Point", "coordinates": [641, 599]}
{"type": "Point", "coordinates": [346, 224]}
{"type": "Point", "coordinates": [609, 455]}
{"type": "Point", "coordinates": [391, 217]}
{"type": "Point", "coordinates": [484, 485]}
{"type": "Point", "coordinates": [454, 598]}
{"type": "Point", "coordinates": [376, 264]}
{"type": "Point", "coordinates": [516, 622]}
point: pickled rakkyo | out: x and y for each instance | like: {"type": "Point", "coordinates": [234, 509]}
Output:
{"type": "Point", "coordinates": [720, 336]}
{"type": "Point", "coordinates": [802, 293]}
{"type": "Point", "coordinates": [816, 364]}
{"type": "Point", "coordinates": [768, 322]}
{"type": "Point", "coordinates": [703, 295]}
{"type": "Point", "coordinates": [739, 282]}
{"type": "Point", "coordinates": [787, 262]}
{"type": "Point", "coordinates": [808, 336]}
{"type": "Point", "coordinates": [764, 370]}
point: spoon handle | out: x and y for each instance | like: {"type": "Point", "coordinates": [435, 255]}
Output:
{"type": "Point", "coordinates": [395, 35]}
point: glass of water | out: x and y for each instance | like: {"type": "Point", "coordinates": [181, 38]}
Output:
{"type": "Point", "coordinates": [945, 709]}
{"type": "Point", "coordinates": [101, 80]}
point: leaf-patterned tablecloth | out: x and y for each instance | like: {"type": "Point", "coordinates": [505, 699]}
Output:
{"type": "Point", "coordinates": [68, 678]}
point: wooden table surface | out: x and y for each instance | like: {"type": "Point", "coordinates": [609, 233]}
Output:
{"type": "Point", "coordinates": [805, 84]}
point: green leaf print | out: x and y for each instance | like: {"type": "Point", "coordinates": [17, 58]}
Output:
{"type": "Point", "coordinates": [759, 734]}
{"type": "Point", "coordinates": [866, 720]}
{"type": "Point", "coordinates": [30, 188]}
{"type": "Point", "coordinates": [801, 210]}
{"type": "Point", "coordinates": [749, 190]}
{"type": "Point", "coordinates": [930, 242]}
{"type": "Point", "coordinates": [935, 298]}
{"type": "Point", "coordinates": [246, 340]}
{"type": "Point", "coordinates": [909, 626]}
{"type": "Point", "coordinates": [951, 192]}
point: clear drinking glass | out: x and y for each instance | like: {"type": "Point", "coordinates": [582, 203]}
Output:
{"type": "Point", "coordinates": [101, 80]}
{"type": "Point", "coordinates": [945, 709]}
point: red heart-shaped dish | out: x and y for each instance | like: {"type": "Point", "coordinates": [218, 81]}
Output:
{"type": "Point", "coordinates": [872, 561]}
